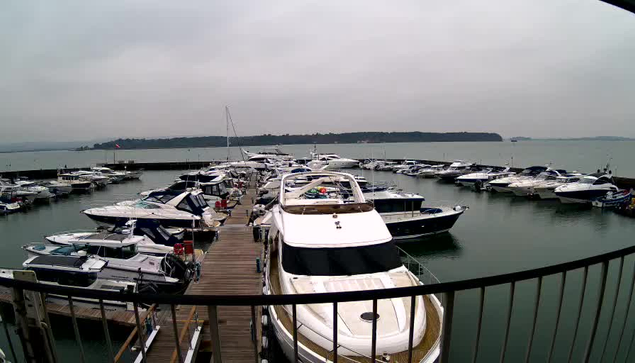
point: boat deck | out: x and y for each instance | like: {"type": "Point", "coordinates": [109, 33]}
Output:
{"type": "Point", "coordinates": [229, 267]}
{"type": "Point", "coordinates": [430, 339]}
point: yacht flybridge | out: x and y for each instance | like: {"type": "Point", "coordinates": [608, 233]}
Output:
{"type": "Point", "coordinates": [326, 238]}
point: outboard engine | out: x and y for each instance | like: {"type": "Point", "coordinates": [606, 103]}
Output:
{"type": "Point", "coordinates": [176, 268]}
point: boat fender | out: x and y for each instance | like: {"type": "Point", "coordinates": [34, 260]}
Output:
{"type": "Point", "coordinates": [258, 265]}
{"type": "Point", "coordinates": [265, 343]}
{"type": "Point", "coordinates": [265, 320]}
{"type": "Point", "coordinates": [264, 361]}
{"type": "Point", "coordinates": [198, 268]}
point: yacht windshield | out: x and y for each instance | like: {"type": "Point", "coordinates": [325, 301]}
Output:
{"type": "Point", "coordinates": [144, 205]}
{"type": "Point", "coordinates": [340, 261]}
{"type": "Point", "coordinates": [587, 180]}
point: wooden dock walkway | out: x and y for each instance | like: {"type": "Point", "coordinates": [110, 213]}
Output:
{"type": "Point", "coordinates": [229, 267]}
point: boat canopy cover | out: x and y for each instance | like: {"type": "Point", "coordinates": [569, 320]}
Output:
{"type": "Point", "coordinates": [57, 260]}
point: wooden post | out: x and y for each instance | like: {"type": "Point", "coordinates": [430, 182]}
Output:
{"type": "Point", "coordinates": [23, 325]}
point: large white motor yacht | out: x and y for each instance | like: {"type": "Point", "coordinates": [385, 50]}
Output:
{"type": "Point", "coordinates": [589, 187]}
{"type": "Point", "coordinates": [322, 240]}
{"type": "Point", "coordinates": [546, 189]}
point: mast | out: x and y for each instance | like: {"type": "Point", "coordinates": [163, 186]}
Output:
{"type": "Point", "coordinates": [227, 126]}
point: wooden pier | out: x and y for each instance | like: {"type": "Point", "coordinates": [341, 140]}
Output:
{"type": "Point", "coordinates": [229, 267]}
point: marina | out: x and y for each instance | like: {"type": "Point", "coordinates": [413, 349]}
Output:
{"type": "Point", "coordinates": [231, 259]}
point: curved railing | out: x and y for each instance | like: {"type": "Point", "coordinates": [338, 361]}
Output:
{"type": "Point", "coordinates": [447, 289]}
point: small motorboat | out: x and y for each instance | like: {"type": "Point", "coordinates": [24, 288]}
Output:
{"type": "Point", "coordinates": [482, 177]}
{"type": "Point", "coordinates": [8, 208]}
{"type": "Point", "coordinates": [614, 199]}
{"type": "Point", "coordinates": [73, 271]}
{"type": "Point", "coordinates": [501, 185]}
{"type": "Point", "coordinates": [124, 263]}
{"type": "Point", "coordinates": [78, 183]}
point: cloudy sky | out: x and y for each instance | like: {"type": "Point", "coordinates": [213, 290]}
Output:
{"type": "Point", "coordinates": [82, 70]}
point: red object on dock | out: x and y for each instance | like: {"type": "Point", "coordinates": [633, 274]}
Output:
{"type": "Point", "coordinates": [189, 247]}
{"type": "Point", "coordinates": [178, 249]}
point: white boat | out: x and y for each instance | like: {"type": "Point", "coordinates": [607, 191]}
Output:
{"type": "Point", "coordinates": [114, 176]}
{"type": "Point", "coordinates": [407, 219]}
{"type": "Point", "coordinates": [525, 187]}
{"type": "Point", "coordinates": [589, 188]}
{"type": "Point", "coordinates": [8, 208]}
{"type": "Point", "coordinates": [58, 188]}
{"type": "Point", "coordinates": [149, 238]}
{"type": "Point", "coordinates": [501, 185]}
{"type": "Point", "coordinates": [546, 189]}
{"type": "Point", "coordinates": [454, 170]}
{"type": "Point", "coordinates": [42, 194]}
{"type": "Point", "coordinates": [124, 262]}
{"type": "Point", "coordinates": [99, 180]}
{"type": "Point", "coordinates": [11, 193]}
{"type": "Point", "coordinates": [482, 177]}
{"type": "Point", "coordinates": [133, 174]}
{"type": "Point", "coordinates": [348, 248]}
{"type": "Point", "coordinates": [401, 168]}
{"type": "Point", "coordinates": [430, 171]}
{"type": "Point", "coordinates": [78, 183]}
{"type": "Point", "coordinates": [74, 271]}
{"type": "Point", "coordinates": [213, 191]}
{"type": "Point", "coordinates": [331, 161]}
{"type": "Point", "coordinates": [185, 210]}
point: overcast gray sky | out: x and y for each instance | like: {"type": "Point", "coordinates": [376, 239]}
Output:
{"type": "Point", "coordinates": [80, 70]}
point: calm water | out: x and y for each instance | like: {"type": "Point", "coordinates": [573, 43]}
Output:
{"type": "Point", "coordinates": [584, 156]}
{"type": "Point", "coordinates": [497, 234]}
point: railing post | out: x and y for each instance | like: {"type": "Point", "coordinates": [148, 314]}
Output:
{"type": "Point", "coordinates": [617, 294]}
{"type": "Point", "coordinates": [628, 309]}
{"type": "Point", "coordinates": [446, 328]}
{"type": "Point", "coordinates": [104, 323]}
{"type": "Point", "coordinates": [577, 319]}
{"type": "Point", "coordinates": [335, 319]}
{"type": "Point", "coordinates": [373, 345]}
{"type": "Point", "coordinates": [78, 337]}
{"type": "Point", "coordinates": [479, 324]}
{"type": "Point", "coordinates": [512, 290]}
{"type": "Point", "coordinates": [177, 338]}
{"type": "Point", "coordinates": [212, 311]}
{"type": "Point", "coordinates": [598, 311]}
{"type": "Point", "coordinates": [411, 332]}
{"type": "Point", "coordinates": [533, 325]}
{"type": "Point", "coordinates": [23, 325]}
{"type": "Point", "coordinates": [555, 330]}
{"type": "Point", "coordinates": [142, 341]}
{"type": "Point", "coordinates": [294, 312]}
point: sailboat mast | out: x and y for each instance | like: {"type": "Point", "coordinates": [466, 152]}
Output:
{"type": "Point", "coordinates": [227, 125]}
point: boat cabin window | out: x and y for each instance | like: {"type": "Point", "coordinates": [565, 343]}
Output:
{"type": "Point", "coordinates": [111, 252]}
{"type": "Point", "coordinates": [601, 181]}
{"type": "Point", "coordinates": [397, 205]}
{"type": "Point", "coordinates": [68, 278]}
{"type": "Point", "coordinates": [340, 261]}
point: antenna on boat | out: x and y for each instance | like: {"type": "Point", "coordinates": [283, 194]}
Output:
{"type": "Point", "coordinates": [231, 121]}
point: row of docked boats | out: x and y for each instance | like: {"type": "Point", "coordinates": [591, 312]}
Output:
{"type": "Point", "coordinates": [140, 244]}
{"type": "Point", "coordinates": [538, 182]}
{"type": "Point", "coordinates": [20, 194]}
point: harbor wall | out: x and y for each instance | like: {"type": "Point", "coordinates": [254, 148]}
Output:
{"type": "Point", "coordinates": [622, 182]}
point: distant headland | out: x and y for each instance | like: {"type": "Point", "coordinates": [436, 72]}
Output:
{"type": "Point", "coordinates": [317, 138]}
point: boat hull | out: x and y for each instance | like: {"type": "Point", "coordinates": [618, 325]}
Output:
{"type": "Point", "coordinates": [580, 197]}
{"type": "Point", "coordinates": [421, 225]}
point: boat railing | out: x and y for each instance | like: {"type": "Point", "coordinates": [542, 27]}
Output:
{"type": "Point", "coordinates": [417, 268]}
{"type": "Point", "coordinates": [599, 293]}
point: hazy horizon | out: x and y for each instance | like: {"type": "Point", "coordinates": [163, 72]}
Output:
{"type": "Point", "coordinates": [75, 71]}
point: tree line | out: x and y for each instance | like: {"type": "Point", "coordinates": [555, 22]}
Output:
{"type": "Point", "coordinates": [317, 138]}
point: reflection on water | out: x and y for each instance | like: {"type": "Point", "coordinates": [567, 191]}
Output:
{"type": "Point", "coordinates": [441, 245]}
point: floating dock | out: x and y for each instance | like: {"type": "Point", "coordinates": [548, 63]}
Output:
{"type": "Point", "coordinates": [228, 267]}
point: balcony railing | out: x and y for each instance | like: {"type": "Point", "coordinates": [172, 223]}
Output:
{"type": "Point", "coordinates": [448, 290]}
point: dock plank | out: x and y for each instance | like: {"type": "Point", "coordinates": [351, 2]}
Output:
{"type": "Point", "coordinates": [228, 267]}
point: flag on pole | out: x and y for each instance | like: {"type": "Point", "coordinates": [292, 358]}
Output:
{"type": "Point", "coordinates": [117, 146]}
